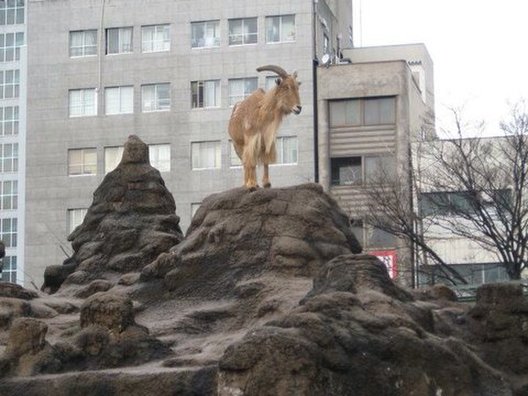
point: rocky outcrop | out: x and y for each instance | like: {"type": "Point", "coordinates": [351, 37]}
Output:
{"type": "Point", "coordinates": [355, 333]}
{"type": "Point", "coordinates": [240, 234]}
{"type": "Point", "coordinates": [130, 222]}
{"type": "Point", "coordinates": [268, 294]}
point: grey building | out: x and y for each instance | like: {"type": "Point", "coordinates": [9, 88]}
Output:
{"type": "Point", "coordinates": [371, 108]}
{"type": "Point", "coordinates": [13, 66]}
{"type": "Point", "coordinates": [169, 72]}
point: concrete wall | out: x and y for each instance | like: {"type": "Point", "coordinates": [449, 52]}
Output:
{"type": "Point", "coordinates": [52, 73]}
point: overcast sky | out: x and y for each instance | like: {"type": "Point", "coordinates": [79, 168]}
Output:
{"type": "Point", "coordinates": [479, 49]}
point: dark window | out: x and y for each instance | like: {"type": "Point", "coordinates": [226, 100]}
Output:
{"type": "Point", "coordinates": [346, 171]}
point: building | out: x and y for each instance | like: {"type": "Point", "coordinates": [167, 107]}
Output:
{"type": "Point", "coordinates": [372, 105]}
{"type": "Point", "coordinates": [169, 72]}
{"type": "Point", "coordinates": [13, 70]}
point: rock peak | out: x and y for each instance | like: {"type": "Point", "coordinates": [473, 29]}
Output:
{"type": "Point", "coordinates": [135, 151]}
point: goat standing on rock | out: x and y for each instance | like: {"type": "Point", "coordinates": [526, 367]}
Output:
{"type": "Point", "coordinates": [254, 123]}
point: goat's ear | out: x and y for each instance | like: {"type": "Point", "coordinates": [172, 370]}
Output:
{"type": "Point", "coordinates": [278, 81]}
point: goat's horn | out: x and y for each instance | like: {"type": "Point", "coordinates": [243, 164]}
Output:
{"type": "Point", "coordinates": [276, 69]}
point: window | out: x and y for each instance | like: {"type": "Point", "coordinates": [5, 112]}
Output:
{"type": "Point", "coordinates": [240, 88]}
{"type": "Point", "coordinates": [155, 38]}
{"type": "Point", "coordinates": [119, 40]}
{"type": "Point", "coordinates": [119, 100]}
{"type": "Point", "coordinates": [11, 12]}
{"type": "Point", "coordinates": [243, 31]}
{"type": "Point", "coordinates": [206, 155]}
{"type": "Point", "coordinates": [234, 160]}
{"type": "Point", "coordinates": [358, 112]}
{"type": "Point", "coordinates": [446, 203]}
{"type": "Point", "coordinates": [9, 194]}
{"type": "Point", "coordinates": [379, 111]}
{"type": "Point", "coordinates": [75, 218]}
{"type": "Point", "coordinates": [9, 121]}
{"type": "Point", "coordinates": [155, 97]}
{"type": "Point", "coordinates": [9, 84]}
{"type": "Point", "coordinates": [287, 150]}
{"type": "Point", "coordinates": [83, 43]}
{"type": "Point", "coordinates": [477, 274]}
{"type": "Point", "coordinates": [371, 237]}
{"type": "Point", "coordinates": [205, 34]}
{"type": "Point", "coordinates": [83, 102]}
{"type": "Point", "coordinates": [82, 162]}
{"type": "Point", "coordinates": [160, 157]}
{"type": "Point", "coordinates": [205, 94]}
{"type": "Point", "coordinates": [10, 44]}
{"type": "Point", "coordinates": [9, 157]}
{"type": "Point", "coordinates": [112, 157]}
{"type": "Point", "coordinates": [346, 171]}
{"type": "Point", "coordinates": [377, 238]}
{"type": "Point", "coordinates": [8, 232]}
{"type": "Point", "coordinates": [9, 269]}
{"type": "Point", "coordinates": [379, 169]}
{"type": "Point", "coordinates": [361, 170]}
{"type": "Point", "coordinates": [280, 28]}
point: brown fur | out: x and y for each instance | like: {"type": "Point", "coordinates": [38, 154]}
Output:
{"type": "Point", "coordinates": [254, 123]}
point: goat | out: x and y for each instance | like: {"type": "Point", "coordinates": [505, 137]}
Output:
{"type": "Point", "coordinates": [255, 120]}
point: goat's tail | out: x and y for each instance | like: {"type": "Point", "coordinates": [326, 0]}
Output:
{"type": "Point", "coordinates": [253, 150]}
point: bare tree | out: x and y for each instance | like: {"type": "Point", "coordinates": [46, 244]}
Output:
{"type": "Point", "coordinates": [471, 188]}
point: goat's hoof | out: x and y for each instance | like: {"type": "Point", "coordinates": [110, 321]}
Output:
{"type": "Point", "coordinates": [252, 188]}
{"type": "Point", "coordinates": [267, 185]}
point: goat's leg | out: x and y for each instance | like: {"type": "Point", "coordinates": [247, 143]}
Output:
{"type": "Point", "coordinates": [251, 183]}
{"type": "Point", "coordinates": [265, 178]}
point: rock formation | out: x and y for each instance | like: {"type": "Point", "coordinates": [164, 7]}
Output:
{"type": "Point", "coordinates": [130, 222]}
{"type": "Point", "coordinates": [268, 294]}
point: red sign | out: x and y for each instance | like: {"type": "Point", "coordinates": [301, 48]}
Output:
{"type": "Point", "coordinates": [387, 257]}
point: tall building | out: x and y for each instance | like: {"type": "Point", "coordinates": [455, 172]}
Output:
{"type": "Point", "coordinates": [169, 72]}
{"type": "Point", "coordinates": [13, 66]}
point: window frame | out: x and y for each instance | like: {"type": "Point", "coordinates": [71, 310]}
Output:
{"type": "Point", "coordinates": [16, 11]}
{"type": "Point", "coordinates": [217, 159]}
{"type": "Point", "coordinates": [119, 155]}
{"type": "Point", "coordinates": [120, 105]}
{"type": "Point", "coordinates": [243, 34]}
{"type": "Point", "coordinates": [165, 41]}
{"type": "Point", "coordinates": [216, 39]}
{"type": "Point", "coordinates": [70, 216]}
{"type": "Point", "coordinates": [11, 159]}
{"type": "Point", "coordinates": [14, 46]}
{"type": "Point", "coordinates": [84, 46]}
{"type": "Point", "coordinates": [12, 123]}
{"type": "Point", "coordinates": [217, 94]}
{"type": "Point", "coordinates": [157, 99]}
{"type": "Point", "coordinates": [9, 236]}
{"type": "Point", "coordinates": [156, 161]}
{"type": "Point", "coordinates": [245, 94]}
{"type": "Point", "coordinates": [361, 109]}
{"type": "Point", "coordinates": [363, 180]}
{"type": "Point", "coordinates": [280, 150]}
{"type": "Point", "coordinates": [280, 28]}
{"type": "Point", "coordinates": [83, 163]}
{"type": "Point", "coordinates": [119, 30]}
{"type": "Point", "coordinates": [83, 103]}
{"type": "Point", "coordinates": [11, 196]}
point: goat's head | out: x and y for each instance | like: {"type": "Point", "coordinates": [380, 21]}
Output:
{"type": "Point", "coordinates": [287, 89]}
